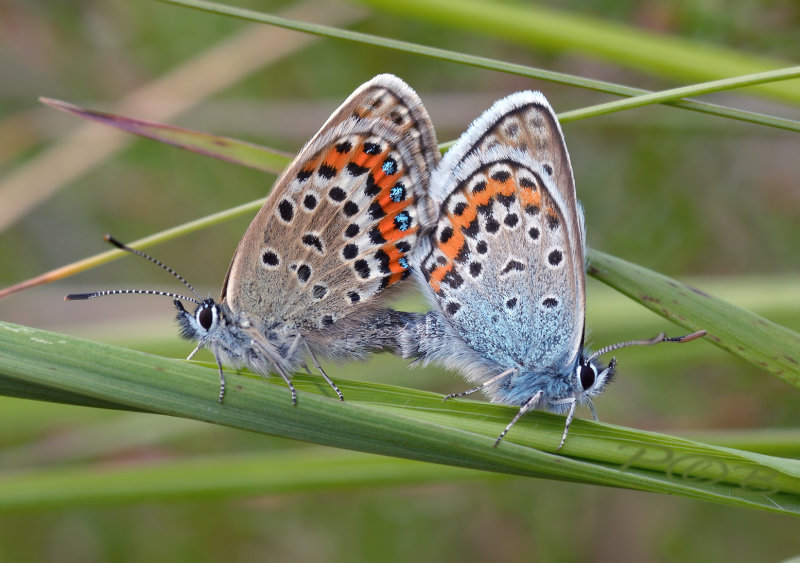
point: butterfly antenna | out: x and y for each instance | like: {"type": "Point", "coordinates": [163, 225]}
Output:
{"type": "Point", "coordinates": [93, 294]}
{"type": "Point", "coordinates": [126, 248]}
{"type": "Point", "coordinates": [661, 337]}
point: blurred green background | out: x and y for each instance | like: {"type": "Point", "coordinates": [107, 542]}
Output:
{"type": "Point", "coordinates": [699, 198]}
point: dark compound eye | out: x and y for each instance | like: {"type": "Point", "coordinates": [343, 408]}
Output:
{"type": "Point", "coordinates": [205, 316]}
{"type": "Point", "coordinates": [587, 377]}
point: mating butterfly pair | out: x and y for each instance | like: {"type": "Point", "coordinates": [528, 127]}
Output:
{"type": "Point", "coordinates": [493, 234]}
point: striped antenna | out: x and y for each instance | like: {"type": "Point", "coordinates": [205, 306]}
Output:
{"type": "Point", "coordinates": [126, 248]}
{"type": "Point", "coordinates": [661, 337]}
{"type": "Point", "coordinates": [93, 294]}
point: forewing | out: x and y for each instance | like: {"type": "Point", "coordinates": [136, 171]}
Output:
{"type": "Point", "coordinates": [336, 229]}
{"type": "Point", "coordinates": [505, 263]}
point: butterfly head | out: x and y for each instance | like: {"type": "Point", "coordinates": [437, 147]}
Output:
{"type": "Point", "coordinates": [230, 337]}
{"type": "Point", "coordinates": [202, 325]}
{"type": "Point", "coordinates": [591, 377]}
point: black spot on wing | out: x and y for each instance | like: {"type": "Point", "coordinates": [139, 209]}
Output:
{"type": "Point", "coordinates": [472, 229]}
{"type": "Point", "coordinates": [501, 175]}
{"type": "Point", "coordinates": [314, 242]}
{"type": "Point", "coordinates": [319, 291]}
{"type": "Point", "coordinates": [286, 210]}
{"type": "Point", "coordinates": [453, 279]}
{"type": "Point", "coordinates": [310, 202]}
{"type": "Point", "coordinates": [327, 171]}
{"type": "Point", "coordinates": [362, 268]}
{"type": "Point", "coordinates": [446, 234]}
{"type": "Point", "coordinates": [337, 194]}
{"type": "Point", "coordinates": [549, 302]}
{"type": "Point", "coordinates": [375, 236]}
{"type": "Point", "coordinates": [350, 208]}
{"type": "Point", "coordinates": [355, 170]}
{"type": "Point", "coordinates": [506, 200]}
{"type": "Point", "coordinates": [349, 251]}
{"type": "Point", "coordinates": [512, 266]}
{"type": "Point", "coordinates": [376, 211]}
{"type": "Point", "coordinates": [270, 258]}
{"type": "Point", "coordinates": [351, 230]}
{"type": "Point", "coordinates": [303, 272]}
{"type": "Point", "coordinates": [371, 189]}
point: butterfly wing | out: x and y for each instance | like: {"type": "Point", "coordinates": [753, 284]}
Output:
{"type": "Point", "coordinates": [336, 229]}
{"type": "Point", "coordinates": [505, 264]}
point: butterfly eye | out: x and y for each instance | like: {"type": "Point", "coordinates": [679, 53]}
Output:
{"type": "Point", "coordinates": [205, 316]}
{"type": "Point", "coordinates": [588, 375]}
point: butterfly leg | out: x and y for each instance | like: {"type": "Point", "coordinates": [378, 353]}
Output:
{"type": "Point", "coordinates": [278, 368]}
{"type": "Point", "coordinates": [483, 385]}
{"type": "Point", "coordinates": [288, 381]}
{"type": "Point", "coordinates": [529, 405]}
{"type": "Point", "coordinates": [570, 415]}
{"type": "Point", "coordinates": [322, 371]}
{"type": "Point", "coordinates": [221, 381]}
{"type": "Point", "coordinates": [221, 373]}
{"type": "Point", "coordinates": [591, 408]}
{"type": "Point", "coordinates": [195, 351]}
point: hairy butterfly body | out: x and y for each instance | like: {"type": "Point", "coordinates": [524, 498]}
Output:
{"type": "Point", "coordinates": [330, 242]}
{"type": "Point", "coordinates": [504, 268]}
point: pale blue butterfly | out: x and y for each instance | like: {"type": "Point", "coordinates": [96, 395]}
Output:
{"type": "Point", "coordinates": [504, 268]}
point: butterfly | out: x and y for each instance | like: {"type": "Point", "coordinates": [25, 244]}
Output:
{"type": "Point", "coordinates": [504, 267]}
{"type": "Point", "coordinates": [330, 243]}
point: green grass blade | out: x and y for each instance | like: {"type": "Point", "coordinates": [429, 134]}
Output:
{"type": "Point", "coordinates": [223, 148]}
{"type": "Point", "coordinates": [684, 91]}
{"type": "Point", "coordinates": [768, 345]}
{"type": "Point", "coordinates": [481, 62]}
{"type": "Point", "coordinates": [400, 422]}
{"type": "Point", "coordinates": [157, 238]}
{"type": "Point", "coordinates": [222, 476]}
{"type": "Point", "coordinates": [555, 30]}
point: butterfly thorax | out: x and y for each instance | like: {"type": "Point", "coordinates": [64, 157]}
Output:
{"type": "Point", "coordinates": [579, 382]}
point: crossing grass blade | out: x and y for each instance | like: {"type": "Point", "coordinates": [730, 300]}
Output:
{"type": "Point", "coordinates": [393, 421]}
{"type": "Point", "coordinates": [768, 345]}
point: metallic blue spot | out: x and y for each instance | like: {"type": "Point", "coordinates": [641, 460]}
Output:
{"type": "Point", "coordinates": [398, 192]}
{"type": "Point", "coordinates": [403, 263]}
{"type": "Point", "coordinates": [402, 221]}
{"type": "Point", "coordinates": [389, 166]}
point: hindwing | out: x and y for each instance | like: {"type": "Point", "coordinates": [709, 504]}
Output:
{"type": "Point", "coordinates": [340, 222]}
{"type": "Point", "coordinates": [505, 263]}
